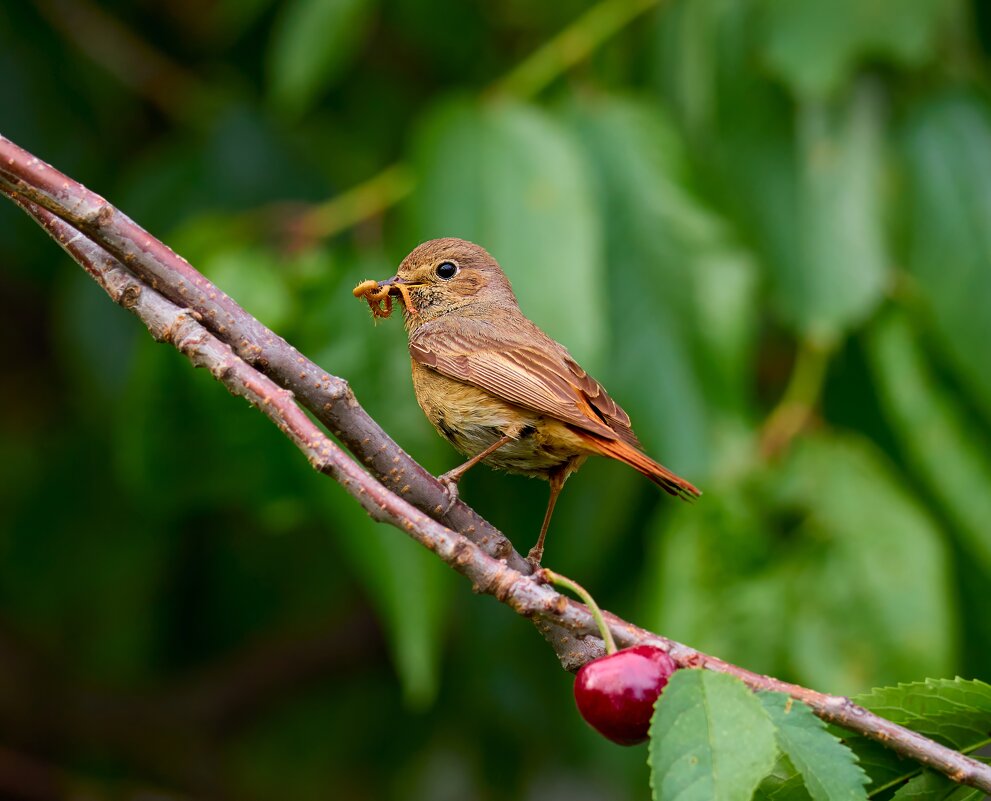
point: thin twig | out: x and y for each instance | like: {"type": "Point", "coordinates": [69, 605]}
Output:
{"type": "Point", "coordinates": [170, 87]}
{"type": "Point", "coordinates": [367, 199]}
{"type": "Point", "coordinates": [797, 406]}
{"type": "Point", "coordinates": [529, 597]}
{"type": "Point", "coordinates": [150, 73]}
{"type": "Point", "coordinates": [572, 45]}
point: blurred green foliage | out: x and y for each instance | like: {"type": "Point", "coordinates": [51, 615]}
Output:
{"type": "Point", "coordinates": [723, 191]}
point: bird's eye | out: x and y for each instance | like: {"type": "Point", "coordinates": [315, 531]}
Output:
{"type": "Point", "coordinates": [446, 270]}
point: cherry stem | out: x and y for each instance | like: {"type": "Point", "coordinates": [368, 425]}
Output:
{"type": "Point", "coordinates": [569, 584]}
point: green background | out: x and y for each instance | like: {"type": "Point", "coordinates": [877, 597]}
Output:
{"type": "Point", "coordinates": [726, 205]}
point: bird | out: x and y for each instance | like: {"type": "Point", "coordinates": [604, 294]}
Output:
{"type": "Point", "coordinates": [494, 385]}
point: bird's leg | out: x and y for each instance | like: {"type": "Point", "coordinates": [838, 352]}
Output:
{"type": "Point", "coordinates": [451, 478]}
{"type": "Point", "coordinates": [556, 480]}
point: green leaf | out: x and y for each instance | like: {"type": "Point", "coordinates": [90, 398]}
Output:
{"type": "Point", "coordinates": [783, 784]}
{"type": "Point", "coordinates": [510, 178]}
{"type": "Point", "coordinates": [829, 769]}
{"type": "Point", "coordinates": [710, 739]}
{"type": "Point", "coordinates": [696, 289]}
{"type": "Point", "coordinates": [841, 261]}
{"type": "Point", "coordinates": [934, 430]}
{"type": "Point", "coordinates": [955, 712]}
{"type": "Point", "coordinates": [312, 41]}
{"type": "Point", "coordinates": [806, 188]}
{"type": "Point", "coordinates": [741, 132]}
{"type": "Point", "coordinates": [871, 597]}
{"type": "Point", "coordinates": [694, 39]}
{"type": "Point", "coordinates": [816, 46]}
{"type": "Point", "coordinates": [947, 153]}
{"type": "Point", "coordinates": [823, 567]}
{"type": "Point", "coordinates": [932, 786]}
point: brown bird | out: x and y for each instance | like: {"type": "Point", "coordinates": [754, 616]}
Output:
{"type": "Point", "coordinates": [495, 385]}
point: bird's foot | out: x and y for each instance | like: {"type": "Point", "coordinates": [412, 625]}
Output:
{"type": "Point", "coordinates": [450, 483]}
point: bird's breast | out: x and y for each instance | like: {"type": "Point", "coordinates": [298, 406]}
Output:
{"type": "Point", "coordinates": [471, 419]}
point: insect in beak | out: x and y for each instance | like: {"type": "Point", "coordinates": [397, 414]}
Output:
{"type": "Point", "coordinates": [379, 295]}
{"type": "Point", "coordinates": [397, 286]}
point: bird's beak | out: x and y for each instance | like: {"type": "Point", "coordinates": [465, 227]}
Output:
{"type": "Point", "coordinates": [394, 283]}
{"type": "Point", "coordinates": [399, 288]}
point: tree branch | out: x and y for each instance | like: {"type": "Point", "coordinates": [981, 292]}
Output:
{"type": "Point", "coordinates": [215, 333]}
{"type": "Point", "coordinates": [327, 396]}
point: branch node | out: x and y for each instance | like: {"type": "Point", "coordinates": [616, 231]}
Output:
{"type": "Point", "coordinates": [222, 370]}
{"type": "Point", "coordinates": [185, 335]}
{"type": "Point", "coordinates": [130, 296]}
{"type": "Point", "coordinates": [558, 605]}
{"type": "Point", "coordinates": [499, 584]}
{"type": "Point", "coordinates": [104, 214]}
{"type": "Point", "coordinates": [502, 549]}
{"type": "Point", "coordinates": [694, 660]}
{"type": "Point", "coordinates": [462, 553]}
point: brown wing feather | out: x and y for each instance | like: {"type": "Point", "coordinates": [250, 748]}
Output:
{"type": "Point", "coordinates": [523, 366]}
{"type": "Point", "coordinates": [603, 406]}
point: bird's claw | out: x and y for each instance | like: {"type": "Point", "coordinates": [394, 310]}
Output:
{"type": "Point", "coordinates": [451, 485]}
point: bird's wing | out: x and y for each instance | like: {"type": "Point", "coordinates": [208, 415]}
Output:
{"type": "Point", "coordinates": [524, 366]}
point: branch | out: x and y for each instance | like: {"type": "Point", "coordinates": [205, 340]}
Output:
{"type": "Point", "coordinates": [40, 190]}
{"type": "Point", "coordinates": [157, 266]}
{"type": "Point", "coordinates": [327, 396]}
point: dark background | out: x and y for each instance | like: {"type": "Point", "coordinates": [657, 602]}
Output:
{"type": "Point", "coordinates": [726, 205]}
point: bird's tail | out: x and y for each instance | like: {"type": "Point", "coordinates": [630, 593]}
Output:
{"type": "Point", "coordinates": [641, 462]}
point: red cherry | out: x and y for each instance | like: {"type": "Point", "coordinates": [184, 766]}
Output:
{"type": "Point", "coordinates": [616, 693]}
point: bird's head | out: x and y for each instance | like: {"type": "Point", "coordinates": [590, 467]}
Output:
{"type": "Point", "coordinates": [443, 275]}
